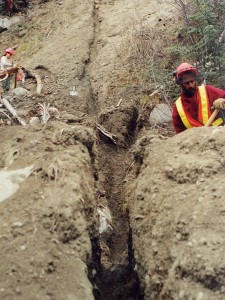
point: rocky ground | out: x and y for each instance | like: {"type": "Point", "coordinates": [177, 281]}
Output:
{"type": "Point", "coordinates": [95, 203]}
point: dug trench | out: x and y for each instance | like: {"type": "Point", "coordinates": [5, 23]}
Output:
{"type": "Point", "coordinates": [46, 230]}
{"type": "Point", "coordinates": [112, 254]}
{"type": "Point", "coordinates": [116, 277]}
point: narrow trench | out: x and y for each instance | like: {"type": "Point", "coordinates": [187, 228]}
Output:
{"type": "Point", "coordinates": [112, 257]}
{"type": "Point", "coordinates": [91, 105]}
{"type": "Point", "coordinates": [116, 278]}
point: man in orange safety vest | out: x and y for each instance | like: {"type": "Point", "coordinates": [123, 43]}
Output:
{"type": "Point", "coordinates": [193, 107]}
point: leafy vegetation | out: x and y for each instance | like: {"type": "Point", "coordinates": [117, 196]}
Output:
{"type": "Point", "coordinates": [199, 38]}
{"type": "Point", "coordinates": [202, 38]}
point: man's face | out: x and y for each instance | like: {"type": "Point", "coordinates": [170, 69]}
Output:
{"type": "Point", "coordinates": [189, 88]}
{"type": "Point", "coordinates": [8, 55]}
{"type": "Point", "coordinates": [189, 85]}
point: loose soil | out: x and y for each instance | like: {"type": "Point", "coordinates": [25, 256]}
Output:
{"type": "Point", "coordinates": [163, 239]}
{"type": "Point", "coordinates": [176, 214]}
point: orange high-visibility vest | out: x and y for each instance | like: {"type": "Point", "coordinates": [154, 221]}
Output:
{"type": "Point", "coordinates": [204, 111]}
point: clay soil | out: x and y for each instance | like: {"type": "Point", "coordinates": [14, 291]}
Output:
{"type": "Point", "coordinates": [164, 236]}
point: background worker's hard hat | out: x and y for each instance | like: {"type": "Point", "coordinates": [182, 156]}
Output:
{"type": "Point", "coordinates": [9, 50]}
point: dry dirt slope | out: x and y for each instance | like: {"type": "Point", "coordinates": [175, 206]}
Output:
{"type": "Point", "coordinates": [177, 215]}
{"type": "Point", "coordinates": [50, 225]}
{"type": "Point", "coordinates": [45, 235]}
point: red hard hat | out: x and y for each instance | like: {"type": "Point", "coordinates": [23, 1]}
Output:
{"type": "Point", "coordinates": [9, 50]}
{"type": "Point", "coordinates": [185, 67]}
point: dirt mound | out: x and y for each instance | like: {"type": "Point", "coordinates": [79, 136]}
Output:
{"type": "Point", "coordinates": [45, 232]}
{"type": "Point", "coordinates": [177, 214]}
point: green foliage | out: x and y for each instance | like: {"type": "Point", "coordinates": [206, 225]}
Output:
{"type": "Point", "coordinates": [202, 40]}
{"type": "Point", "coordinates": [1, 8]}
{"type": "Point", "coordinates": [156, 51]}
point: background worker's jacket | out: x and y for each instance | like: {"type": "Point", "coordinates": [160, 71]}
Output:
{"type": "Point", "coordinates": [191, 106]}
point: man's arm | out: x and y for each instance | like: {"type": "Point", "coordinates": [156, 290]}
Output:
{"type": "Point", "coordinates": [216, 97]}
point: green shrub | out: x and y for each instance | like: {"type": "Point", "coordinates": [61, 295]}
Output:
{"type": "Point", "coordinates": [202, 38]}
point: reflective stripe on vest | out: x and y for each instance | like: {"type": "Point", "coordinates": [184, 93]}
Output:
{"type": "Point", "coordinates": [204, 104]}
{"type": "Point", "coordinates": [182, 113]}
{"type": "Point", "coordinates": [204, 111]}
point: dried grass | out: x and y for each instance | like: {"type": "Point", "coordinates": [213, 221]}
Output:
{"type": "Point", "coordinates": [56, 170]}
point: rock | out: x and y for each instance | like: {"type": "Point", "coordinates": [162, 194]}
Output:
{"type": "Point", "coordinates": [34, 121]}
{"type": "Point", "coordinates": [105, 220]}
{"type": "Point", "coordinates": [6, 23]}
{"type": "Point", "coordinates": [161, 114]}
{"type": "Point", "coordinates": [10, 180]}
{"type": "Point", "coordinates": [17, 224]}
{"type": "Point", "coordinates": [19, 91]}
{"type": "Point", "coordinates": [18, 291]}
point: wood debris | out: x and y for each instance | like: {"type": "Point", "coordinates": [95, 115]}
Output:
{"type": "Point", "coordinates": [38, 80]}
{"type": "Point", "coordinates": [14, 113]}
{"type": "Point", "coordinates": [44, 111]}
{"type": "Point", "coordinates": [118, 104]}
{"type": "Point", "coordinates": [39, 83]}
{"type": "Point", "coordinates": [5, 114]}
{"type": "Point", "coordinates": [109, 135]}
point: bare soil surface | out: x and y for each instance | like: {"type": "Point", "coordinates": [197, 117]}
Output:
{"type": "Point", "coordinates": [45, 233]}
{"type": "Point", "coordinates": [177, 214]}
{"type": "Point", "coordinates": [103, 214]}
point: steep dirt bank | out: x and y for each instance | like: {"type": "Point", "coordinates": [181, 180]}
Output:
{"type": "Point", "coordinates": [177, 214]}
{"type": "Point", "coordinates": [116, 22]}
{"type": "Point", "coordinates": [48, 224]}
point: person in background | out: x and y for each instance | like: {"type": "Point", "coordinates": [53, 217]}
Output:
{"type": "Point", "coordinates": [193, 107]}
{"type": "Point", "coordinates": [9, 6]}
{"type": "Point", "coordinates": [5, 64]}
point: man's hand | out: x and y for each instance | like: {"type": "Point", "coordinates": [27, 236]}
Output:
{"type": "Point", "coordinates": [219, 103]}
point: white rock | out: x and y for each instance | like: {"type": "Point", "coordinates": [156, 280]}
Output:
{"type": "Point", "coordinates": [19, 91]}
{"type": "Point", "coordinates": [17, 224]}
{"type": "Point", "coordinates": [189, 244]}
{"type": "Point", "coordinates": [181, 294]}
{"type": "Point", "coordinates": [6, 23]}
{"type": "Point", "coordinates": [10, 181]}
{"type": "Point", "coordinates": [105, 219]}
{"type": "Point", "coordinates": [34, 121]}
{"type": "Point", "coordinates": [161, 114]}
{"type": "Point", "coordinates": [200, 296]}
